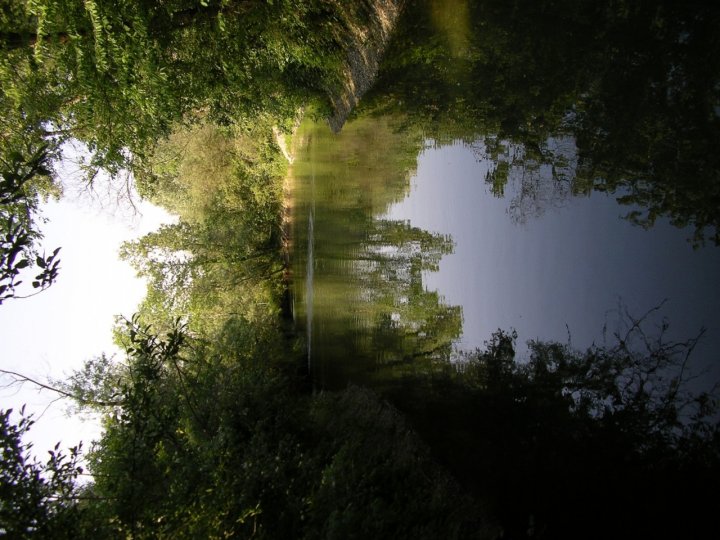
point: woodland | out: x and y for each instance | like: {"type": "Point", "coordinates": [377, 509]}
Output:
{"type": "Point", "coordinates": [212, 427]}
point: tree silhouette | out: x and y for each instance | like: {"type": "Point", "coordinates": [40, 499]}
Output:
{"type": "Point", "coordinates": [633, 85]}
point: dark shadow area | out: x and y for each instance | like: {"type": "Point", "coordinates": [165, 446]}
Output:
{"type": "Point", "coordinates": [636, 85]}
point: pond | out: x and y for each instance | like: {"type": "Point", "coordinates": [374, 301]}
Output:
{"type": "Point", "coordinates": [514, 171]}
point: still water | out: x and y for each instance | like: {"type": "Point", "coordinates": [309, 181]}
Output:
{"type": "Point", "coordinates": [398, 267]}
{"type": "Point", "coordinates": [522, 174]}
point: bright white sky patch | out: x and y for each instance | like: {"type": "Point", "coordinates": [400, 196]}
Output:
{"type": "Point", "coordinates": [53, 333]}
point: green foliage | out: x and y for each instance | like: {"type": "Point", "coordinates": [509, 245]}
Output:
{"type": "Point", "coordinates": [94, 385]}
{"type": "Point", "coordinates": [207, 432]}
{"type": "Point", "coordinates": [204, 443]}
{"type": "Point", "coordinates": [379, 479]}
{"type": "Point", "coordinates": [36, 500]}
{"type": "Point", "coordinates": [207, 168]}
{"type": "Point", "coordinates": [222, 259]}
{"type": "Point", "coordinates": [208, 440]}
{"type": "Point", "coordinates": [119, 75]}
{"type": "Point", "coordinates": [555, 441]}
{"type": "Point", "coordinates": [631, 87]}
{"type": "Point", "coordinates": [22, 180]}
{"type": "Point", "coordinates": [138, 424]}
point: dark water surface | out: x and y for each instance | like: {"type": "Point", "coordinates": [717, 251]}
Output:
{"type": "Point", "coordinates": [553, 170]}
{"type": "Point", "coordinates": [397, 268]}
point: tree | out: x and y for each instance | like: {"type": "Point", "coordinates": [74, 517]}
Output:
{"type": "Point", "coordinates": [21, 181]}
{"type": "Point", "coordinates": [410, 324]}
{"type": "Point", "coordinates": [223, 258]}
{"type": "Point", "coordinates": [36, 500]}
{"type": "Point", "coordinates": [633, 86]}
{"type": "Point", "coordinates": [600, 441]}
{"type": "Point", "coordinates": [202, 442]}
{"type": "Point", "coordinates": [120, 76]}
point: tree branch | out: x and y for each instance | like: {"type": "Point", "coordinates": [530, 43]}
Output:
{"type": "Point", "coordinates": [19, 378]}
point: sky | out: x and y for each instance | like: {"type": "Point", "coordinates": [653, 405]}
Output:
{"type": "Point", "coordinates": [53, 333]}
{"type": "Point", "coordinates": [564, 274]}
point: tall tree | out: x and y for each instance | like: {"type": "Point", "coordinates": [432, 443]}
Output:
{"type": "Point", "coordinates": [23, 177]}
{"type": "Point", "coordinates": [632, 85]}
{"type": "Point", "coordinates": [117, 75]}
{"type": "Point", "coordinates": [36, 500]}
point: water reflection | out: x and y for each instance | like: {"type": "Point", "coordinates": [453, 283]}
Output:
{"type": "Point", "coordinates": [634, 86]}
{"type": "Point", "coordinates": [561, 275]}
{"type": "Point", "coordinates": [556, 111]}
{"type": "Point", "coordinates": [412, 259]}
{"type": "Point", "coordinates": [368, 314]}
{"type": "Point", "coordinates": [477, 188]}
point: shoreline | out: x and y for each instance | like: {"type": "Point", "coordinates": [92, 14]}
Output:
{"type": "Point", "coordinates": [362, 62]}
{"type": "Point", "coordinates": [287, 206]}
